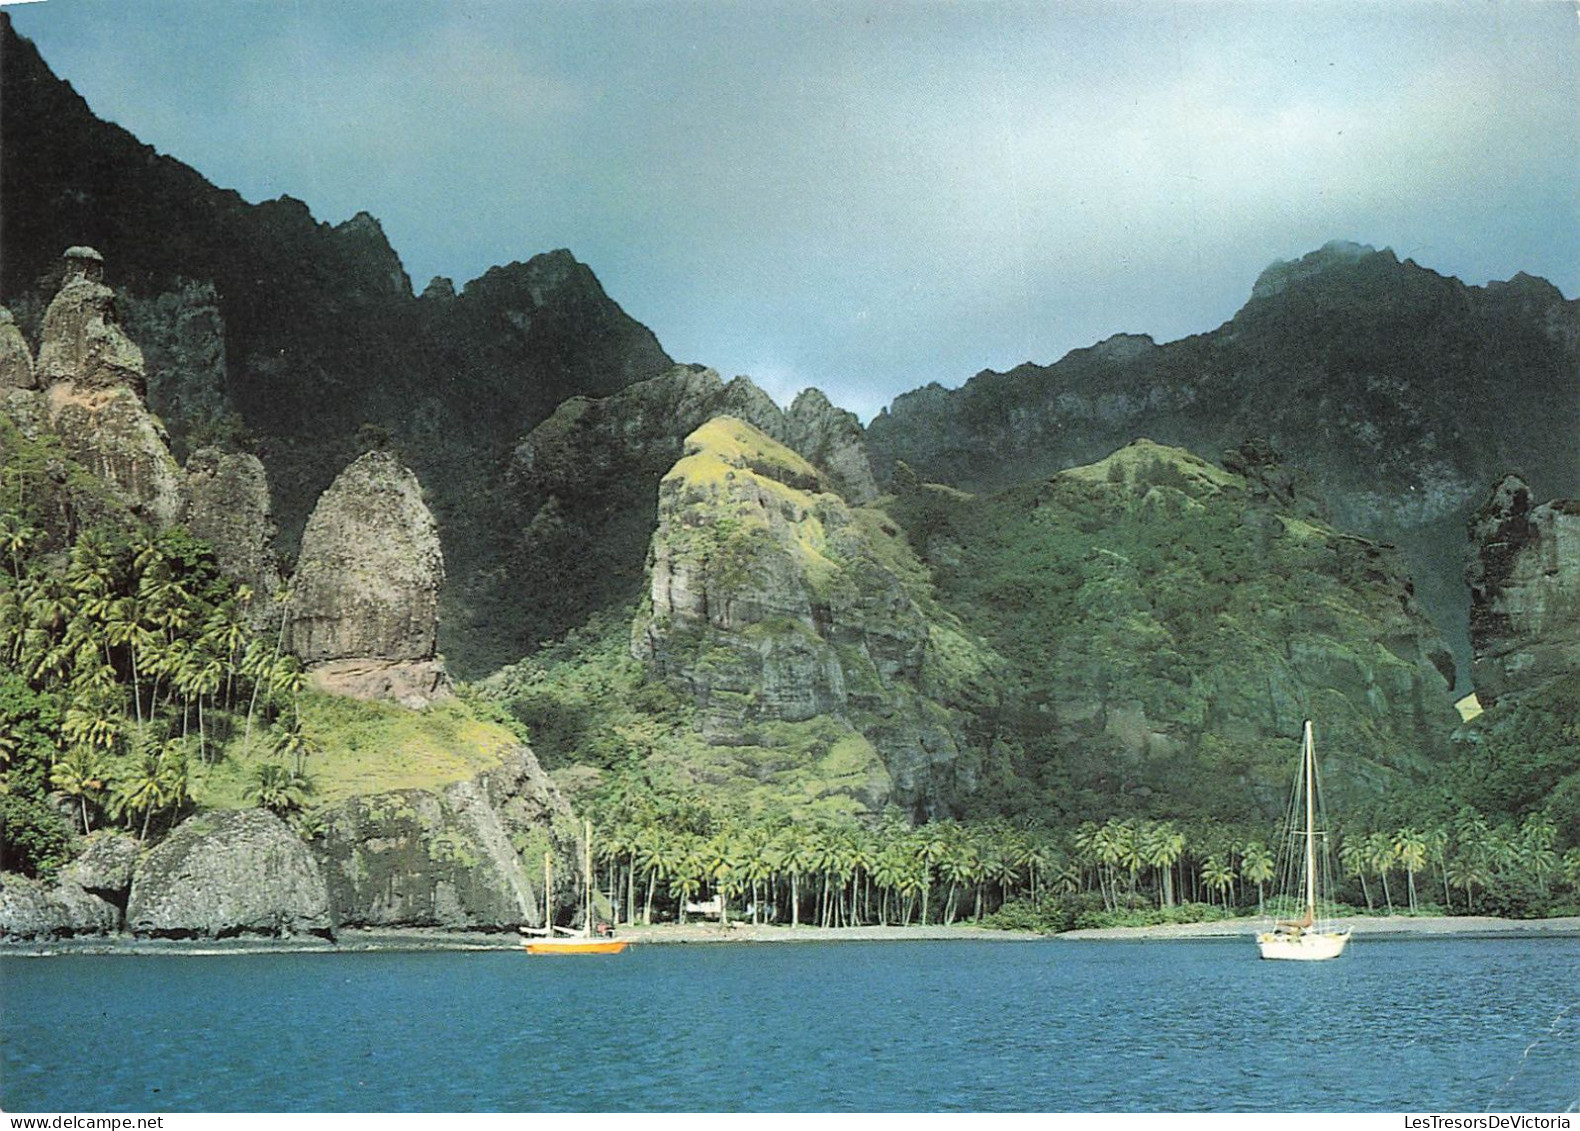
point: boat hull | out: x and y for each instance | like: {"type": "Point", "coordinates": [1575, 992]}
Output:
{"type": "Point", "coordinates": [1313, 946]}
{"type": "Point", "coordinates": [577, 946]}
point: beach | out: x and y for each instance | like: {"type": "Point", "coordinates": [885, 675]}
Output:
{"type": "Point", "coordinates": [1362, 926]}
{"type": "Point", "coordinates": [710, 933]}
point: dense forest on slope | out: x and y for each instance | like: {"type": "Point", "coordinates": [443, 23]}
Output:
{"type": "Point", "coordinates": [1167, 621]}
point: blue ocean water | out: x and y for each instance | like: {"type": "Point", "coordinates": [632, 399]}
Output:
{"type": "Point", "coordinates": [899, 1026]}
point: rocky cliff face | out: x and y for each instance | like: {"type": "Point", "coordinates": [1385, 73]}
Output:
{"type": "Point", "coordinates": [579, 498]}
{"type": "Point", "coordinates": [772, 600]}
{"type": "Point", "coordinates": [468, 856]}
{"type": "Point", "coordinates": [82, 340]}
{"type": "Point", "coordinates": [16, 360]}
{"type": "Point", "coordinates": [1524, 577]}
{"type": "Point", "coordinates": [230, 873]}
{"type": "Point", "coordinates": [230, 509]}
{"type": "Point", "coordinates": [261, 322]}
{"type": "Point", "coordinates": [87, 898]}
{"type": "Point", "coordinates": [31, 909]}
{"type": "Point", "coordinates": [365, 603]}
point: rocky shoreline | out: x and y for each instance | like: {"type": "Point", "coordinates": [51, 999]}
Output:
{"type": "Point", "coordinates": [367, 940]}
{"type": "Point", "coordinates": [370, 940]}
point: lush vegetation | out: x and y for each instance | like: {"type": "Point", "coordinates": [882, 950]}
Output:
{"type": "Point", "coordinates": [592, 712]}
{"type": "Point", "coordinates": [659, 850]}
{"type": "Point", "coordinates": [1167, 627]}
{"type": "Point", "coordinates": [129, 663]}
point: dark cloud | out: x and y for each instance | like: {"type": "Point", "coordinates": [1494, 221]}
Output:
{"type": "Point", "coordinates": [869, 196]}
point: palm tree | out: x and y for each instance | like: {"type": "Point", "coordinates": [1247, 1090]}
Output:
{"type": "Point", "coordinates": [686, 876]}
{"type": "Point", "coordinates": [80, 774]}
{"type": "Point", "coordinates": [652, 853]}
{"type": "Point", "coordinates": [1086, 850]}
{"type": "Point", "coordinates": [292, 743]}
{"type": "Point", "coordinates": [957, 865]}
{"type": "Point", "coordinates": [1066, 875]}
{"type": "Point", "coordinates": [225, 634]}
{"type": "Point", "coordinates": [279, 789]}
{"type": "Point", "coordinates": [795, 860]}
{"type": "Point", "coordinates": [1258, 867]}
{"type": "Point", "coordinates": [888, 872]}
{"type": "Point", "coordinates": [93, 719]}
{"type": "Point", "coordinates": [915, 880]}
{"type": "Point", "coordinates": [722, 867]}
{"type": "Point", "coordinates": [199, 676]}
{"type": "Point", "coordinates": [614, 845]}
{"type": "Point", "coordinates": [1382, 855]}
{"type": "Point", "coordinates": [756, 862]}
{"type": "Point", "coordinates": [1409, 846]}
{"type": "Point", "coordinates": [1129, 853]}
{"type": "Point", "coordinates": [1437, 840]}
{"type": "Point", "coordinates": [141, 788]}
{"type": "Point", "coordinates": [1163, 845]}
{"type": "Point", "coordinates": [1537, 837]}
{"type": "Point", "coordinates": [285, 597]}
{"type": "Point", "coordinates": [932, 847]}
{"type": "Point", "coordinates": [1218, 875]}
{"type": "Point", "coordinates": [15, 537]}
{"type": "Point", "coordinates": [173, 786]}
{"type": "Point", "coordinates": [1569, 866]}
{"type": "Point", "coordinates": [123, 628]}
{"type": "Point", "coordinates": [1004, 864]}
{"type": "Point", "coordinates": [1467, 872]}
{"type": "Point", "coordinates": [1033, 854]}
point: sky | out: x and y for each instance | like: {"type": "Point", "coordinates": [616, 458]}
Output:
{"type": "Point", "coordinates": [868, 196]}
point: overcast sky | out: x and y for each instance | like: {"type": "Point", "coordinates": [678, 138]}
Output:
{"type": "Point", "coordinates": [870, 196]}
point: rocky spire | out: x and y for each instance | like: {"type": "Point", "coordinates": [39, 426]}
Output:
{"type": "Point", "coordinates": [82, 339]}
{"type": "Point", "coordinates": [230, 509]}
{"type": "Point", "coordinates": [832, 439]}
{"type": "Point", "coordinates": [364, 609]}
{"type": "Point", "coordinates": [16, 360]}
{"type": "Point", "coordinates": [93, 383]}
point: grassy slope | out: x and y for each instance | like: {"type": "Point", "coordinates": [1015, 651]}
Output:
{"type": "Point", "coordinates": [365, 748]}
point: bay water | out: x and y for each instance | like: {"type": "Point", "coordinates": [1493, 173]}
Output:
{"type": "Point", "coordinates": [1413, 1025]}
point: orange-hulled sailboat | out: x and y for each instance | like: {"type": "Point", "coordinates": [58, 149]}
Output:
{"type": "Point", "coordinates": [571, 942]}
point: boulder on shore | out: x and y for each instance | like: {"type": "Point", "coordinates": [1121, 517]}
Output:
{"type": "Point", "coordinates": [33, 909]}
{"type": "Point", "coordinates": [230, 873]}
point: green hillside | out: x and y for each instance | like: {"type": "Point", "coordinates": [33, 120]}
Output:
{"type": "Point", "coordinates": [1169, 625]}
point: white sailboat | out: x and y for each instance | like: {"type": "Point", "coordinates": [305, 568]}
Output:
{"type": "Point", "coordinates": [1306, 938]}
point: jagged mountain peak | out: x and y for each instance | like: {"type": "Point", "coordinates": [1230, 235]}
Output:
{"type": "Point", "coordinates": [545, 275]}
{"type": "Point", "coordinates": [1282, 274]}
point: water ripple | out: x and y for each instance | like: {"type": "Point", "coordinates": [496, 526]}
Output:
{"type": "Point", "coordinates": [927, 1026]}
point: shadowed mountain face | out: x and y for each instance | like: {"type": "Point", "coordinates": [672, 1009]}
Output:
{"type": "Point", "coordinates": [1403, 393]}
{"type": "Point", "coordinates": [303, 340]}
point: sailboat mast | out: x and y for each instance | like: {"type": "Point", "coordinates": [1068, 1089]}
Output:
{"type": "Point", "coordinates": [587, 883]}
{"type": "Point", "coordinates": [1311, 836]}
